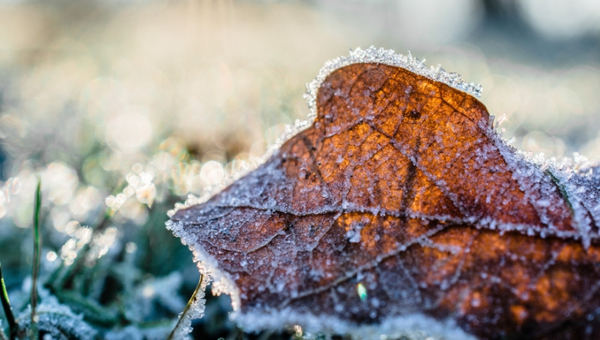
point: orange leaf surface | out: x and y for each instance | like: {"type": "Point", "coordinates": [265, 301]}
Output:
{"type": "Point", "coordinates": [402, 187]}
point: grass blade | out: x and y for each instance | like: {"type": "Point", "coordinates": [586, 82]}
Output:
{"type": "Point", "coordinates": [37, 247]}
{"type": "Point", "coordinates": [185, 319]}
{"type": "Point", "coordinates": [10, 317]}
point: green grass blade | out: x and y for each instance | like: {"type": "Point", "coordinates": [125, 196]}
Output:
{"type": "Point", "coordinates": [10, 317]}
{"type": "Point", "coordinates": [37, 247]}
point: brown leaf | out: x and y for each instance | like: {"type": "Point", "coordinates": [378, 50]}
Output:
{"type": "Point", "coordinates": [402, 187]}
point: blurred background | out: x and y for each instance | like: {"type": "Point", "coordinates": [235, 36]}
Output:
{"type": "Point", "coordinates": [131, 105]}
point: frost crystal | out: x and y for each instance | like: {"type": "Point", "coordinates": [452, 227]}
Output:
{"type": "Point", "coordinates": [387, 57]}
{"type": "Point", "coordinates": [409, 327]}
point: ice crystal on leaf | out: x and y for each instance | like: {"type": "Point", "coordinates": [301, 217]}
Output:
{"type": "Point", "coordinates": [399, 209]}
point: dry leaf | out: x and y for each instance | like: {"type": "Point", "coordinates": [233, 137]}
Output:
{"type": "Point", "coordinates": [401, 203]}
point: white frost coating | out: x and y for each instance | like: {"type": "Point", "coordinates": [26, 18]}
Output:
{"type": "Point", "coordinates": [387, 57]}
{"type": "Point", "coordinates": [581, 186]}
{"type": "Point", "coordinates": [207, 265]}
{"type": "Point", "coordinates": [574, 178]}
{"type": "Point", "coordinates": [414, 326]}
